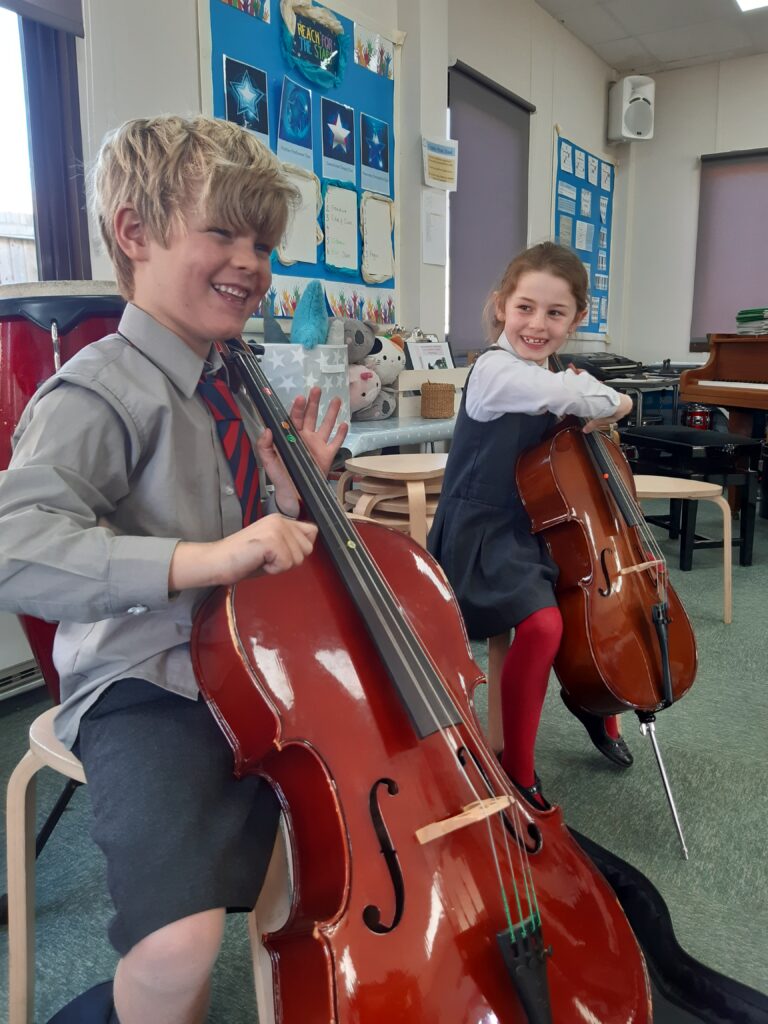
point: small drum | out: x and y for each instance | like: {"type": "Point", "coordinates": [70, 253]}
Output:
{"type": "Point", "coordinates": [698, 416]}
{"type": "Point", "coordinates": [42, 325]}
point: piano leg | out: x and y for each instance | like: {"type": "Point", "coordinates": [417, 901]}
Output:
{"type": "Point", "coordinates": [748, 511]}
{"type": "Point", "coordinates": [740, 422]}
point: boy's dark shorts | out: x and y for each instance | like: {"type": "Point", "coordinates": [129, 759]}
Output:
{"type": "Point", "coordinates": [180, 833]}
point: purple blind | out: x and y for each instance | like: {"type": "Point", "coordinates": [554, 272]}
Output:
{"type": "Point", "coordinates": [732, 243]}
{"type": "Point", "coordinates": [488, 213]}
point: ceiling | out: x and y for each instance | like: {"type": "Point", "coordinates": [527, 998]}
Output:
{"type": "Point", "coordinates": [645, 36]}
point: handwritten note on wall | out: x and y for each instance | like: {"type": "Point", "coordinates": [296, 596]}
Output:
{"type": "Point", "coordinates": [341, 228]}
{"type": "Point", "coordinates": [303, 234]}
{"type": "Point", "coordinates": [378, 255]}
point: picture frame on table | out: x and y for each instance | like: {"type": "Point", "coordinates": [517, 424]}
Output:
{"type": "Point", "coordinates": [429, 355]}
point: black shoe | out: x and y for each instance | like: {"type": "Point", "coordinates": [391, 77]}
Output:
{"type": "Point", "coordinates": [92, 1007]}
{"type": "Point", "coordinates": [533, 794]}
{"type": "Point", "coordinates": [616, 751]}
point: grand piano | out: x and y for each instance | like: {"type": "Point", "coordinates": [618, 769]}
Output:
{"type": "Point", "coordinates": [735, 376]}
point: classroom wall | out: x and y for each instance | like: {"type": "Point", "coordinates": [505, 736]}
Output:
{"type": "Point", "coordinates": [712, 108]}
{"type": "Point", "coordinates": [512, 41]}
{"type": "Point", "coordinates": [517, 44]}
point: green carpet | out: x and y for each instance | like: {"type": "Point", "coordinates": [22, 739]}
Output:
{"type": "Point", "coordinates": [714, 747]}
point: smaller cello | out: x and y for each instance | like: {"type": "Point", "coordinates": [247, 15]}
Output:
{"type": "Point", "coordinates": [627, 643]}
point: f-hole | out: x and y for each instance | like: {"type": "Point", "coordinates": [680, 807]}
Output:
{"type": "Point", "coordinates": [605, 591]}
{"type": "Point", "coordinates": [372, 914]}
{"type": "Point", "coordinates": [534, 833]}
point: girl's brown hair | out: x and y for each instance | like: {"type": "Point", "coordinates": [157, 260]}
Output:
{"type": "Point", "coordinates": [546, 256]}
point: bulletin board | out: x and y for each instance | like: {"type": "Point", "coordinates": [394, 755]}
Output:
{"type": "Point", "coordinates": [583, 215]}
{"type": "Point", "coordinates": [319, 89]}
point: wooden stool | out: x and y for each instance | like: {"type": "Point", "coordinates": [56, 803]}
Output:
{"type": "Point", "coordinates": [670, 488]}
{"type": "Point", "coordinates": [392, 490]}
{"type": "Point", "coordinates": [45, 750]}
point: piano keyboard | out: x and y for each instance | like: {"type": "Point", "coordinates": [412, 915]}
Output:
{"type": "Point", "coordinates": [745, 385]}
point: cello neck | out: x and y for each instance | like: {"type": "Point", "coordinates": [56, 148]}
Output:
{"type": "Point", "coordinates": [421, 690]}
{"type": "Point", "coordinates": [604, 466]}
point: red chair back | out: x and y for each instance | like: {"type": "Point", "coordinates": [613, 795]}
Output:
{"type": "Point", "coordinates": [42, 326]}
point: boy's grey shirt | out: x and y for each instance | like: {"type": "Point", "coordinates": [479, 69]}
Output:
{"type": "Point", "coordinates": [116, 460]}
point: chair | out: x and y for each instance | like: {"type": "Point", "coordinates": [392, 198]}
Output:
{"type": "Point", "coordinates": [45, 750]}
{"type": "Point", "coordinates": [399, 491]}
{"type": "Point", "coordinates": [689, 492]}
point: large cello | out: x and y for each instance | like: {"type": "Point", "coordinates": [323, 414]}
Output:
{"type": "Point", "coordinates": [627, 643]}
{"type": "Point", "coordinates": [425, 890]}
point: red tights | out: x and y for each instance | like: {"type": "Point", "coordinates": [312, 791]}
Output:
{"type": "Point", "coordinates": [524, 677]}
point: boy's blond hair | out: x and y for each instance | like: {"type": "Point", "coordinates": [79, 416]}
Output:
{"type": "Point", "coordinates": [169, 167]}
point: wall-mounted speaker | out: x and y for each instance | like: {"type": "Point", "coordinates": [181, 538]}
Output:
{"type": "Point", "coordinates": [630, 108]}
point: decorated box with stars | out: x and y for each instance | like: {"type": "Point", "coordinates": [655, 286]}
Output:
{"type": "Point", "coordinates": [292, 370]}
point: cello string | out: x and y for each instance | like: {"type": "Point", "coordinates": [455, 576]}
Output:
{"type": "Point", "coordinates": [642, 526]}
{"type": "Point", "coordinates": [310, 474]}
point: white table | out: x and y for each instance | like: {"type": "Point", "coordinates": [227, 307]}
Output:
{"type": "Point", "coordinates": [371, 435]}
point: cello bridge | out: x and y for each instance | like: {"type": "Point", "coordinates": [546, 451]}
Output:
{"type": "Point", "coordinates": [479, 810]}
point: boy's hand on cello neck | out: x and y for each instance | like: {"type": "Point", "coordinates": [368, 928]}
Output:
{"type": "Point", "coordinates": [322, 443]}
{"type": "Point", "coordinates": [623, 409]}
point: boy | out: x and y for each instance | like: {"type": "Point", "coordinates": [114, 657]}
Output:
{"type": "Point", "coordinates": [118, 511]}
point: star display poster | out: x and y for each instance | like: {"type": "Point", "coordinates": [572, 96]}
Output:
{"type": "Point", "coordinates": [338, 127]}
{"type": "Point", "coordinates": [294, 130]}
{"type": "Point", "coordinates": [583, 222]}
{"type": "Point", "coordinates": [374, 154]}
{"type": "Point", "coordinates": [246, 97]}
{"type": "Point", "coordinates": [273, 75]}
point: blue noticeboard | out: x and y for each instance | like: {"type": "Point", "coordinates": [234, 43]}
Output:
{"type": "Point", "coordinates": [583, 211]}
{"type": "Point", "coordinates": [323, 102]}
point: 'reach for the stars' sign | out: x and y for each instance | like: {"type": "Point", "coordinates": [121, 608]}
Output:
{"type": "Point", "coordinates": [315, 44]}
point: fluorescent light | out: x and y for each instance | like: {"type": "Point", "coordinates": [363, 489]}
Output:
{"type": "Point", "coordinates": [751, 5]}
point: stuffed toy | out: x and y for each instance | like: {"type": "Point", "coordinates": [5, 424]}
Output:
{"type": "Point", "coordinates": [384, 406]}
{"type": "Point", "coordinates": [386, 358]}
{"type": "Point", "coordinates": [356, 335]}
{"type": "Point", "coordinates": [364, 388]}
{"type": "Point", "coordinates": [273, 332]}
{"type": "Point", "coordinates": [310, 319]}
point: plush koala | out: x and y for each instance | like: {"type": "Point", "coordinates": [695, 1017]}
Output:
{"type": "Point", "coordinates": [357, 336]}
{"type": "Point", "coordinates": [384, 406]}
{"type": "Point", "coordinates": [364, 388]}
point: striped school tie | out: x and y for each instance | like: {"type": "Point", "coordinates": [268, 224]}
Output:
{"type": "Point", "coordinates": [216, 394]}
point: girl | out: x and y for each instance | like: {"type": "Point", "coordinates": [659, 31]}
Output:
{"type": "Point", "coordinates": [500, 571]}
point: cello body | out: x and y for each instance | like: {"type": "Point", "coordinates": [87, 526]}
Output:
{"type": "Point", "coordinates": [610, 659]}
{"type": "Point", "coordinates": [384, 927]}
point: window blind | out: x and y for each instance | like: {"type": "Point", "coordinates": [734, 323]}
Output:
{"type": "Point", "coordinates": [732, 242]}
{"type": "Point", "coordinates": [488, 213]}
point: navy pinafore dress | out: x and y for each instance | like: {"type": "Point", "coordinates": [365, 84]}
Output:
{"type": "Point", "coordinates": [499, 570]}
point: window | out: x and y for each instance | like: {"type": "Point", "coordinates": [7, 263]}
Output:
{"type": "Point", "coordinates": [488, 213]}
{"type": "Point", "coordinates": [48, 58]}
{"type": "Point", "coordinates": [18, 256]}
{"type": "Point", "coordinates": [732, 243]}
